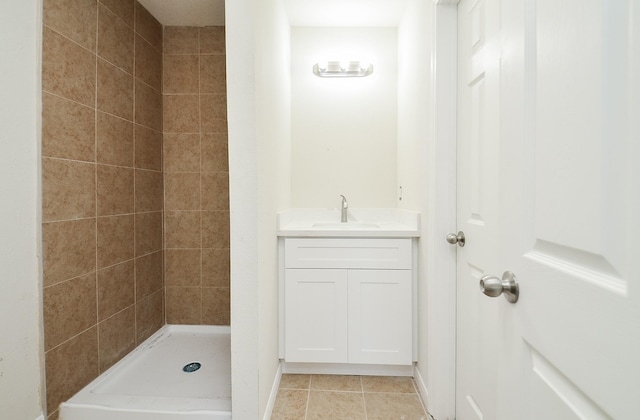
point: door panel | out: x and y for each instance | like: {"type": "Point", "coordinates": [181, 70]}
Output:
{"type": "Point", "coordinates": [567, 196]}
{"type": "Point", "coordinates": [569, 223]}
{"type": "Point", "coordinates": [380, 316]}
{"type": "Point", "coordinates": [316, 315]}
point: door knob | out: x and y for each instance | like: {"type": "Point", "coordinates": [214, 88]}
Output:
{"type": "Point", "coordinates": [494, 287]}
{"type": "Point", "coordinates": [453, 239]}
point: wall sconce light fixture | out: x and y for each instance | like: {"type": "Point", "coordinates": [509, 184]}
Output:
{"type": "Point", "coordinates": [338, 69]}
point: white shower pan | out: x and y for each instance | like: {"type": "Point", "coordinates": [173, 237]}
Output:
{"type": "Point", "coordinates": [150, 383]}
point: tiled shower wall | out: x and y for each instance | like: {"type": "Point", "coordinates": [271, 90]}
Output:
{"type": "Point", "coordinates": [196, 176]}
{"type": "Point", "coordinates": [102, 187]}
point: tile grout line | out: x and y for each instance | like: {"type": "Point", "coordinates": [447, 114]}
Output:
{"type": "Point", "coordinates": [95, 174]}
{"type": "Point", "coordinates": [364, 400]}
{"type": "Point", "coordinates": [306, 409]}
{"type": "Point", "coordinates": [200, 177]}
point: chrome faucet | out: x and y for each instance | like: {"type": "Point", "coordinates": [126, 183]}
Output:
{"type": "Point", "coordinates": [345, 207]}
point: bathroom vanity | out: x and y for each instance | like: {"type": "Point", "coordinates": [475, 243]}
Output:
{"type": "Point", "coordinates": [347, 289]}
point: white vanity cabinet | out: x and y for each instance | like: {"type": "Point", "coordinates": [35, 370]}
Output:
{"type": "Point", "coordinates": [348, 300]}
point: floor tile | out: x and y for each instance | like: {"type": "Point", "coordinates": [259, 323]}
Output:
{"type": "Point", "coordinates": [290, 404]}
{"type": "Point", "coordinates": [336, 383]}
{"type": "Point", "coordinates": [293, 381]}
{"type": "Point", "coordinates": [335, 406]}
{"type": "Point", "coordinates": [381, 406]}
{"type": "Point", "coordinates": [397, 384]}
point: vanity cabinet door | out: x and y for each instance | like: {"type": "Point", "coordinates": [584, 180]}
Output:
{"type": "Point", "coordinates": [316, 315]}
{"type": "Point", "coordinates": [380, 317]}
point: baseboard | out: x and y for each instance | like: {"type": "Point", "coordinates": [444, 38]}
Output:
{"type": "Point", "coordinates": [274, 393]}
{"type": "Point", "coordinates": [347, 369]}
{"type": "Point", "coordinates": [422, 387]}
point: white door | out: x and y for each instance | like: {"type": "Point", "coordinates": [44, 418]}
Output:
{"type": "Point", "coordinates": [478, 339]}
{"type": "Point", "coordinates": [569, 200]}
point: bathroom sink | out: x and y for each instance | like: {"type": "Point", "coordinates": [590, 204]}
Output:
{"type": "Point", "coordinates": [346, 225]}
{"type": "Point", "coordinates": [363, 223]}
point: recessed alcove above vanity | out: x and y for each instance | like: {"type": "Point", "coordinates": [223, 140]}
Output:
{"type": "Point", "coordinates": [348, 291]}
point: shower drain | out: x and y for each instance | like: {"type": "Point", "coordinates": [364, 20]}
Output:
{"type": "Point", "coordinates": [192, 367]}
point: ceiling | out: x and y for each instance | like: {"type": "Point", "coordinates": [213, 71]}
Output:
{"type": "Point", "coordinates": [345, 12]}
{"type": "Point", "coordinates": [186, 12]}
{"type": "Point", "coordinates": [300, 12]}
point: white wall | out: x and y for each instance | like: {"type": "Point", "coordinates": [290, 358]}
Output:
{"type": "Point", "coordinates": [343, 130]}
{"type": "Point", "coordinates": [273, 112]}
{"type": "Point", "coordinates": [21, 364]}
{"type": "Point", "coordinates": [258, 115]}
{"type": "Point", "coordinates": [426, 152]}
{"type": "Point", "coordinates": [414, 137]}
{"type": "Point", "coordinates": [243, 208]}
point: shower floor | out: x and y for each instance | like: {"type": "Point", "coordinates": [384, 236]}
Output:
{"type": "Point", "coordinates": [150, 383]}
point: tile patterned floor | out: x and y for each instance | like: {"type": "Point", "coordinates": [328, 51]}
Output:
{"type": "Point", "coordinates": [336, 397]}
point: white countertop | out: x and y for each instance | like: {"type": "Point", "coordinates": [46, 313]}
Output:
{"type": "Point", "coordinates": [362, 223]}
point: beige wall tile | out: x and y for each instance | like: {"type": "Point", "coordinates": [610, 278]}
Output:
{"type": "Point", "coordinates": [181, 114]}
{"type": "Point", "coordinates": [114, 140]}
{"type": "Point", "coordinates": [382, 406]}
{"type": "Point", "coordinates": [75, 19]}
{"type": "Point", "coordinates": [115, 289]}
{"type": "Point", "coordinates": [335, 405]}
{"type": "Point", "coordinates": [148, 63]}
{"type": "Point", "coordinates": [182, 229]}
{"type": "Point", "coordinates": [115, 190]}
{"type": "Point", "coordinates": [149, 274]}
{"type": "Point", "coordinates": [148, 233]}
{"type": "Point", "coordinates": [53, 416]}
{"type": "Point", "coordinates": [148, 27]}
{"type": "Point", "coordinates": [115, 91]}
{"type": "Point", "coordinates": [215, 229]}
{"type": "Point", "coordinates": [68, 129]}
{"type": "Point", "coordinates": [290, 405]}
{"type": "Point", "coordinates": [148, 148]}
{"type": "Point", "coordinates": [68, 70]}
{"type": "Point", "coordinates": [117, 337]}
{"type": "Point", "coordinates": [149, 191]}
{"type": "Point", "coordinates": [69, 309]}
{"type": "Point", "coordinates": [182, 152]}
{"type": "Point", "coordinates": [213, 74]}
{"type": "Point", "coordinates": [183, 305]}
{"type": "Point", "coordinates": [180, 74]}
{"type": "Point", "coordinates": [213, 113]}
{"type": "Point", "coordinates": [71, 366]}
{"type": "Point", "coordinates": [212, 40]}
{"type": "Point", "coordinates": [183, 267]}
{"type": "Point", "coordinates": [182, 191]}
{"type": "Point", "coordinates": [149, 316]}
{"type": "Point", "coordinates": [115, 239]}
{"type": "Point", "coordinates": [180, 40]}
{"type": "Point", "coordinates": [215, 191]}
{"type": "Point", "coordinates": [69, 249]}
{"type": "Point", "coordinates": [215, 267]}
{"type": "Point", "coordinates": [215, 157]}
{"type": "Point", "coordinates": [68, 189]}
{"type": "Point", "coordinates": [122, 8]}
{"type": "Point", "coordinates": [148, 112]}
{"type": "Point", "coordinates": [216, 307]}
{"type": "Point", "coordinates": [115, 40]}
